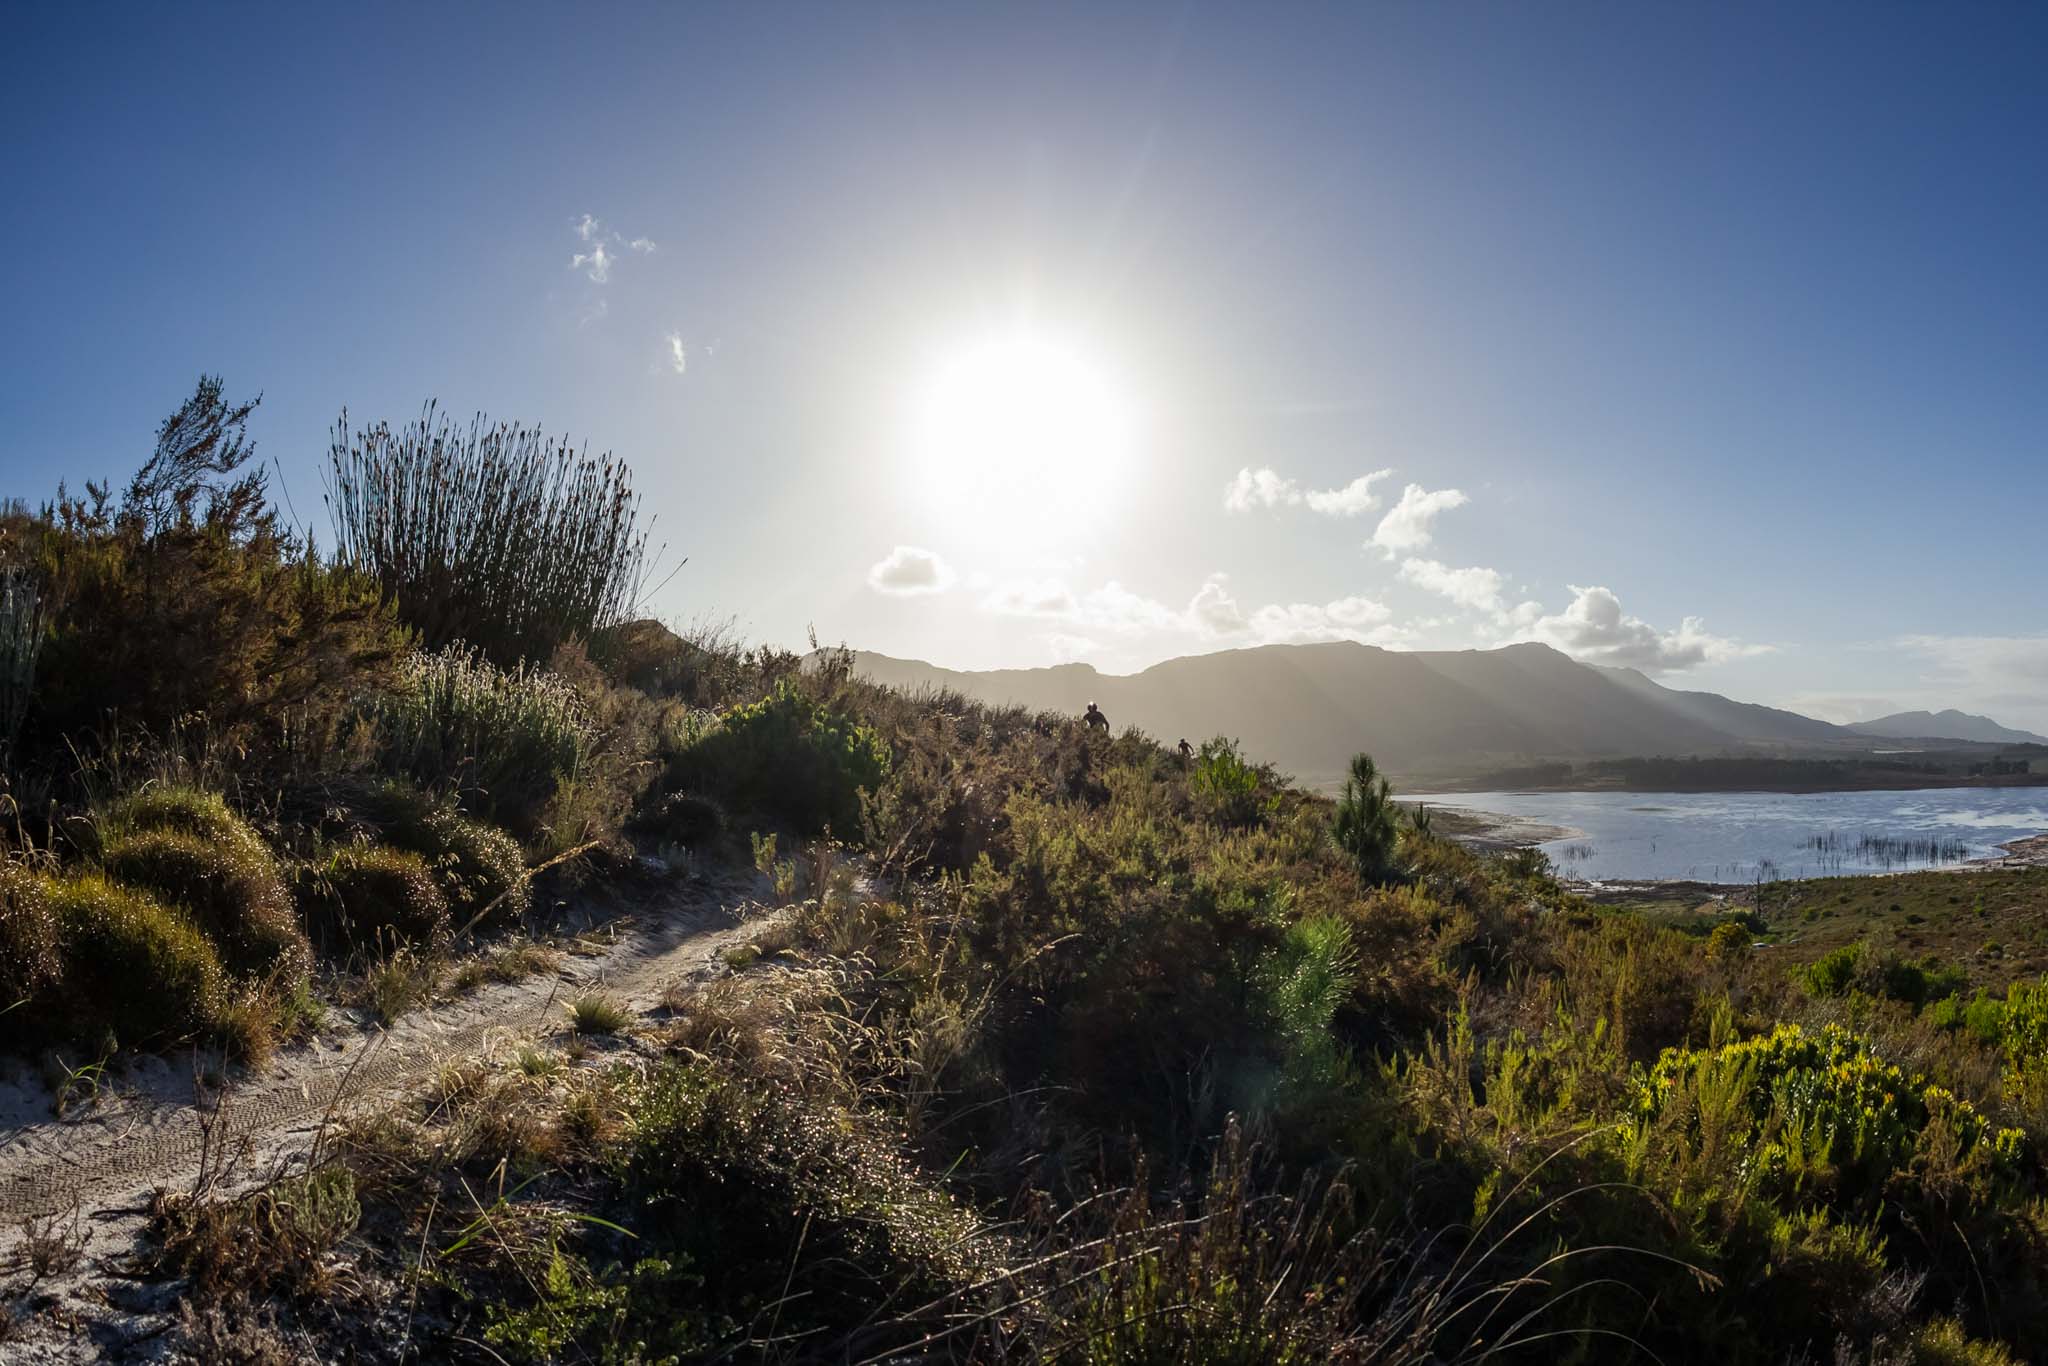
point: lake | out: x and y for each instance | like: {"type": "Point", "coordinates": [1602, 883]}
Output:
{"type": "Point", "coordinates": [1740, 836]}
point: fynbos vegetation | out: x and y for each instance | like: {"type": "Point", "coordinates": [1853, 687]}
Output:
{"type": "Point", "coordinates": [1062, 1046]}
{"type": "Point", "coordinates": [498, 537]}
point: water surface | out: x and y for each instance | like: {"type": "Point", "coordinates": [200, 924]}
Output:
{"type": "Point", "coordinates": [1741, 836]}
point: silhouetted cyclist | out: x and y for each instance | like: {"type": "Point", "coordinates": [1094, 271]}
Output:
{"type": "Point", "coordinates": [1095, 719]}
{"type": "Point", "coordinates": [1187, 752]}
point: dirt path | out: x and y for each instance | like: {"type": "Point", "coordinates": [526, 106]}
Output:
{"type": "Point", "coordinates": [154, 1129]}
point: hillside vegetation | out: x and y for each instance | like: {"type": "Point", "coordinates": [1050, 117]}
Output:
{"type": "Point", "coordinates": [1518, 715]}
{"type": "Point", "coordinates": [1053, 1047]}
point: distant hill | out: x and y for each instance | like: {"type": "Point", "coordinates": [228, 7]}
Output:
{"type": "Point", "coordinates": [1945, 725]}
{"type": "Point", "coordinates": [1425, 715]}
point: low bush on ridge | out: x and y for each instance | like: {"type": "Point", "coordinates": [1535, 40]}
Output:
{"type": "Point", "coordinates": [787, 758]}
{"type": "Point", "coordinates": [376, 898]}
{"type": "Point", "coordinates": [502, 740]}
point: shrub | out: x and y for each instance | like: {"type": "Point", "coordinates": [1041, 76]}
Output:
{"type": "Point", "coordinates": [31, 960]}
{"type": "Point", "coordinates": [685, 818]}
{"type": "Point", "coordinates": [1803, 1112]}
{"type": "Point", "coordinates": [175, 807]}
{"type": "Point", "coordinates": [1364, 824]}
{"type": "Point", "coordinates": [370, 895]}
{"type": "Point", "coordinates": [24, 620]}
{"type": "Point", "coordinates": [185, 597]}
{"type": "Point", "coordinates": [477, 864]}
{"type": "Point", "coordinates": [506, 740]}
{"type": "Point", "coordinates": [230, 889]}
{"type": "Point", "coordinates": [500, 538]}
{"type": "Point", "coordinates": [1226, 789]}
{"type": "Point", "coordinates": [596, 1013]}
{"type": "Point", "coordinates": [789, 758]}
{"type": "Point", "coordinates": [133, 967]}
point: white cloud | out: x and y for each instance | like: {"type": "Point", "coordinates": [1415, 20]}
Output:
{"type": "Point", "coordinates": [1476, 587]}
{"type": "Point", "coordinates": [676, 357]}
{"type": "Point", "coordinates": [1596, 630]}
{"type": "Point", "coordinates": [1298, 623]}
{"type": "Point", "coordinates": [1355, 499]}
{"type": "Point", "coordinates": [1215, 611]}
{"type": "Point", "coordinates": [910, 572]}
{"type": "Point", "coordinates": [1032, 598]}
{"type": "Point", "coordinates": [1266, 487]}
{"type": "Point", "coordinates": [1412, 523]}
{"type": "Point", "coordinates": [1260, 488]}
{"type": "Point", "coordinates": [597, 263]}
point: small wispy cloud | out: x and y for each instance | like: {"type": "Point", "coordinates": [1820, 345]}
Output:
{"type": "Point", "coordinates": [908, 571]}
{"type": "Point", "coordinates": [677, 359]}
{"type": "Point", "coordinates": [597, 262]}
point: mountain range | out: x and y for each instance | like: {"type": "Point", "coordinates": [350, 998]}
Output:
{"type": "Point", "coordinates": [1947, 725]}
{"type": "Point", "coordinates": [1425, 715]}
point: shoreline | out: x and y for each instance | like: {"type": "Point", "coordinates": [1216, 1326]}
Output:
{"type": "Point", "coordinates": [1494, 832]}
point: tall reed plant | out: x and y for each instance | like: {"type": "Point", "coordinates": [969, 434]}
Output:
{"type": "Point", "coordinates": [24, 620]}
{"type": "Point", "coordinates": [504, 739]}
{"type": "Point", "coordinates": [498, 537]}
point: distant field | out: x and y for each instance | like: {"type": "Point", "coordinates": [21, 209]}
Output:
{"type": "Point", "coordinates": [1993, 923]}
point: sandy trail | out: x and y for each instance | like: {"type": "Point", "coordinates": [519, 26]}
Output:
{"type": "Point", "coordinates": [151, 1128]}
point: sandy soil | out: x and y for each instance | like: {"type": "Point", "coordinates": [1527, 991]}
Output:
{"type": "Point", "coordinates": [162, 1121]}
{"type": "Point", "coordinates": [1492, 832]}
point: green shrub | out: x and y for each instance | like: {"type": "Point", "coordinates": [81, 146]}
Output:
{"type": "Point", "coordinates": [168, 806]}
{"type": "Point", "coordinates": [506, 741]}
{"type": "Point", "coordinates": [1807, 1113]}
{"type": "Point", "coordinates": [133, 967]}
{"type": "Point", "coordinates": [477, 864]}
{"type": "Point", "coordinates": [31, 957]}
{"type": "Point", "coordinates": [367, 896]}
{"type": "Point", "coordinates": [1364, 823]}
{"type": "Point", "coordinates": [500, 538]}
{"type": "Point", "coordinates": [1226, 789]}
{"type": "Point", "coordinates": [1832, 973]}
{"type": "Point", "coordinates": [231, 890]}
{"type": "Point", "coordinates": [185, 598]}
{"type": "Point", "coordinates": [787, 758]}
{"type": "Point", "coordinates": [761, 1189]}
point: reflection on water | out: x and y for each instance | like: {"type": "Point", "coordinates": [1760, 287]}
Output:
{"type": "Point", "coordinates": [1743, 836]}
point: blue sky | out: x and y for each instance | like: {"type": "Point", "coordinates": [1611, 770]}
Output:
{"type": "Point", "coordinates": [1724, 324]}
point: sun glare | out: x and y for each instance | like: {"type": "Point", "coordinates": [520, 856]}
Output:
{"type": "Point", "coordinates": [1027, 439]}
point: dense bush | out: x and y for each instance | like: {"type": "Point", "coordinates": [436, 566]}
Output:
{"type": "Point", "coordinates": [185, 599]}
{"type": "Point", "coordinates": [191, 851]}
{"type": "Point", "coordinates": [684, 818]}
{"type": "Point", "coordinates": [476, 864]}
{"type": "Point", "coordinates": [787, 758]}
{"type": "Point", "coordinates": [505, 740]}
{"type": "Point", "coordinates": [31, 950]}
{"type": "Point", "coordinates": [1808, 1114]}
{"type": "Point", "coordinates": [498, 538]}
{"type": "Point", "coordinates": [370, 897]}
{"type": "Point", "coordinates": [1226, 789]}
{"type": "Point", "coordinates": [230, 889]}
{"type": "Point", "coordinates": [133, 968]}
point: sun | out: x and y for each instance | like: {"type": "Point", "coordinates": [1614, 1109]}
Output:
{"type": "Point", "coordinates": [1026, 439]}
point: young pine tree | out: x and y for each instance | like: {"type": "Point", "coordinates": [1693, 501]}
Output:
{"type": "Point", "coordinates": [1364, 824]}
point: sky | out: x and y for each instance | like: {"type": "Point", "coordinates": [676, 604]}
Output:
{"type": "Point", "coordinates": [1708, 340]}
